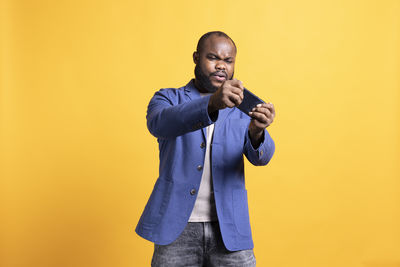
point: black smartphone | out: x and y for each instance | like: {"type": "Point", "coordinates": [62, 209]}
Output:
{"type": "Point", "coordinates": [250, 100]}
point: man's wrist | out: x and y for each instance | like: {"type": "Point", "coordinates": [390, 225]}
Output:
{"type": "Point", "coordinates": [212, 111]}
{"type": "Point", "coordinates": [211, 107]}
{"type": "Point", "coordinates": [256, 137]}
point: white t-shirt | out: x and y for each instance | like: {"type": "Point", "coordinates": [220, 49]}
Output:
{"type": "Point", "coordinates": [204, 208]}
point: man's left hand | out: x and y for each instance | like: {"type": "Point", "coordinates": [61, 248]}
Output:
{"type": "Point", "coordinates": [262, 116]}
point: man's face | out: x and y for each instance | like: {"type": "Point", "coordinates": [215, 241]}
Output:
{"type": "Point", "coordinates": [215, 63]}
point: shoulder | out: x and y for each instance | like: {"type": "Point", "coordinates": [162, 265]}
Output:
{"type": "Point", "coordinates": [171, 92]}
{"type": "Point", "coordinates": [173, 95]}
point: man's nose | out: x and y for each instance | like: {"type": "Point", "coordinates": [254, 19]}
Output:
{"type": "Point", "coordinates": [220, 65]}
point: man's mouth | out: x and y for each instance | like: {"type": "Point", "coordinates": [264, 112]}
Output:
{"type": "Point", "coordinates": [219, 76]}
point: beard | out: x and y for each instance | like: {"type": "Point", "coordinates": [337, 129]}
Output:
{"type": "Point", "coordinates": [204, 80]}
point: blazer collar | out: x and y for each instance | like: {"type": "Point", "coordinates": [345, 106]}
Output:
{"type": "Point", "coordinates": [191, 90]}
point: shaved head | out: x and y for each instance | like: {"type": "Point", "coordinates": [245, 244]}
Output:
{"type": "Point", "coordinates": [203, 39]}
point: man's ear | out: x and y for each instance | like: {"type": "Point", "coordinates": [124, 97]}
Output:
{"type": "Point", "coordinates": [195, 57]}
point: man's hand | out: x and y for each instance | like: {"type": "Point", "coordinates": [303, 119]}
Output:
{"type": "Point", "coordinates": [230, 94]}
{"type": "Point", "coordinates": [262, 116]}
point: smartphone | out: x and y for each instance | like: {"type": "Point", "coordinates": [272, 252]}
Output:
{"type": "Point", "coordinates": [250, 100]}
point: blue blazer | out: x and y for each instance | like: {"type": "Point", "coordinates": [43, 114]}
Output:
{"type": "Point", "coordinates": [177, 118]}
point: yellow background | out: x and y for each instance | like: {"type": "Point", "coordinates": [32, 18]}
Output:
{"type": "Point", "coordinates": [78, 164]}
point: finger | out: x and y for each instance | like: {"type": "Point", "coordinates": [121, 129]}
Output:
{"type": "Point", "coordinates": [259, 124]}
{"type": "Point", "coordinates": [271, 107]}
{"type": "Point", "coordinates": [264, 105]}
{"type": "Point", "coordinates": [263, 110]}
{"type": "Point", "coordinates": [262, 124]}
{"type": "Point", "coordinates": [229, 102]}
{"type": "Point", "coordinates": [236, 91]}
{"type": "Point", "coordinates": [241, 85]}
{"type": "Point", "coordinates": [238, 84]}
{"type": "Point", "coordinates": [241, 95]}
{"type": "Point", "coordinates": [235, 99]}
{"type": "Point", "coordinates": [259, 116]}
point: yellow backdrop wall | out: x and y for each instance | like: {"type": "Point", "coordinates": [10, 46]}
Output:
{"type": "Point", "coordinates": [77, 163]}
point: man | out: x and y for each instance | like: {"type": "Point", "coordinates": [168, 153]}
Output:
{"type": "Point", "coordinates": [197, 214]}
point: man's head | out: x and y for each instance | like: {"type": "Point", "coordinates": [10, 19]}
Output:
{"type": "Point", "coordinates": [215, 61]}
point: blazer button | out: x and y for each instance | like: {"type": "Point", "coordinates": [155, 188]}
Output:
{"type": "Point", "coordinates": [199, 168]}
{"type": "Point", "coordinates": [202, 145]}
{"type": "Point", "coordinates": [193, 191]}
{"type": "Point", "coordinates": [261, 153]}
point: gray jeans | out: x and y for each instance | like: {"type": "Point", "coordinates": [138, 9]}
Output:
{"type": "Point", "coordinates": [200, 244]}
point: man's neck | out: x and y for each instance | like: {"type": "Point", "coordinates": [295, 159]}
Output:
{"type": "Point", "coordinates": [199, 87]}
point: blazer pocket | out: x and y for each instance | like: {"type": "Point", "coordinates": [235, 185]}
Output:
{"type": "Point", "coordinates": [157, 203]}
{"type": "Point", "coordinates": [241, 212]}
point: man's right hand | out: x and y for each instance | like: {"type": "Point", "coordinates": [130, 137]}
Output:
{"type": "Point", "coordinates": [230, 95]}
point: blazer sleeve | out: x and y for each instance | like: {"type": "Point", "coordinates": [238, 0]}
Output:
{"type": "Point", "coordinates": [262, 155]}
{"type": "Point", "coordinates": [165, 119]}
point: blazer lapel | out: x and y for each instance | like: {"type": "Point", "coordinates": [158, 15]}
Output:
{"type": "Point", "coordinates": [192, 93]}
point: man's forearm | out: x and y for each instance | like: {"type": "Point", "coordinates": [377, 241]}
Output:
{"type": "Point", "coordinates": [167, 121]}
